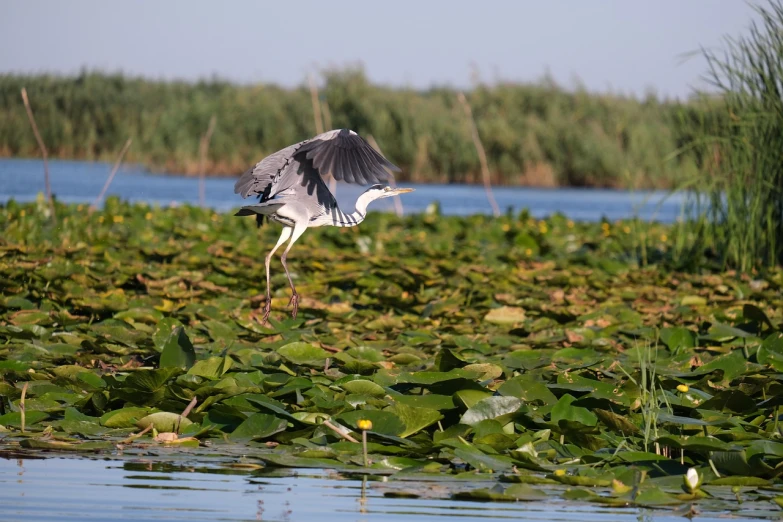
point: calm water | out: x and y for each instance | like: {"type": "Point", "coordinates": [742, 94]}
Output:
{"type": "Point", "coordinates": [81, 182]}
{"type": "Point", "coordinates": [146, 488]}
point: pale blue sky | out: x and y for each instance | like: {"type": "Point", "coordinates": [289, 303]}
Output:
{"type": "Point", "coordinates": [622, 46]}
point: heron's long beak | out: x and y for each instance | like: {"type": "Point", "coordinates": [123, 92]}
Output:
{"type": "Point", "coordinates": [401, 190]}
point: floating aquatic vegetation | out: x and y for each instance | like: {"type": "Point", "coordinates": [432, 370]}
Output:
{"type": "Point", "coordinates": [468, 353]}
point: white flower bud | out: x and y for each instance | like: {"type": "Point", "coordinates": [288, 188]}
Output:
{"type": "Point", "coordinates": [692, 480]}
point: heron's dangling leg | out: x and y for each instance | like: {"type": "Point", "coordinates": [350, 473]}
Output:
{"type": "Point", "coordinates": [298, 231]}
{"type": "Point", "coordinates": [283, 238]}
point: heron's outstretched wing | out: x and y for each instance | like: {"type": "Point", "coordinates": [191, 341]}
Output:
{"type": "Point", "coordinates": [347, 157]}
{"type": "Point", "coordinates": [257, 179]}
{"type": "Point", "coordinates": [341, 153]}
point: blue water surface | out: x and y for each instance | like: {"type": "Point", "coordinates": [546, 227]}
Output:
{"type": "Point", "coordinates": [81, 182]}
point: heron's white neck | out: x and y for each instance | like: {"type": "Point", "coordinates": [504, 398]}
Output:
{"type": "Point", "coordinates": [340, 219]}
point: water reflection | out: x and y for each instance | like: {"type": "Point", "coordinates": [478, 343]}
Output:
{"type": "Point", "coordinates": [204, 488]}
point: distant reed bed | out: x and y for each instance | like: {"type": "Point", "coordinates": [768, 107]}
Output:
{"type": "Point", "coordinates": [534, 134]}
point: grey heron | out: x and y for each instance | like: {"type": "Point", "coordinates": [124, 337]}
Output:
{"type": "Point", "coordinates": [292, 191]}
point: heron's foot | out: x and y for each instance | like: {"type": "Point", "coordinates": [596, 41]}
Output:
{"type": "Point", "coordinates": [295, 303]}
{"type": "Point", "coordinates": [254, 316]}
{"type": "Point", "coordinates": [267, 309]}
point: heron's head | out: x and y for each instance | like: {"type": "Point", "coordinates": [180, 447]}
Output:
{"type": "Point", "coordinates": [384, 191]}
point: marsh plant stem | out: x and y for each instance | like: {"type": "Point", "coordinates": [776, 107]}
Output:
{"type": "Point", "coordinates": [319, 126]}
{"type": "Point", "coordinates": [481, 153]}
{"type": "Point", "coordinates": [318, 120]}
{"type": "Point", "coordinates": [712, 465]}
{"type": "Point", "coordinates": [186, 412]}
{"type": "Point", "coordinates": [340, 431]}
{"type": "Point", "coordinates": [327, 114]}
{"type": "Point", "coordinates": [364, 447]}
{"type": "Point", "coordinates": [21, 405]}
{"type": "Point", "coordinates": [44, 153]}
{"type": "Point", "coordinates": [202, 162]}
{"type": "Point", "coordinates": [135, 436]}
{"type": "Point", "coordinates": [111, 175]}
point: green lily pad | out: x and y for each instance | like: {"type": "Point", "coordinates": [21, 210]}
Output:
{"type": "Point", "coordinates": [163, 421]}
{"type": "Point", "coordinates": [177, 351]}
{"type": "Point", "coordinates": [304, 354]}
{"type": "Point", "coordinates": [490, 408]}
{"type": "Point", "coordinates": [258, 426]}
{"type": "Point", "coordinates": [88, 446]}
{"type": "Point", "coordinates": [385, 422]}
{"type": "Point", "coordinates": [14, 418]}
{"type": "Point", "coordinates": [124, 417]}
{"type": "Point", "coordinates": [415, 419]}
{"type": "Point", "coordinates": [363, 386]}
{"type": "Point", "coordinates": [564, 411]}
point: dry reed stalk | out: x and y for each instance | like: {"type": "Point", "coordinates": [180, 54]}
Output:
{"type": "Point", "coordinates": [44, 153]}
{"type": "Point", "coordinates": [481, 154]}
{"type": "Point", "coordinates": [186, 412]}
{"type": "Point", "coordinates": [203, 146]}
{"type": "Point", "coordinates": [111, 175]}
{"type": "Point", "coordinates": [135, 436]}
{"type": "Point", "coordinates": [397, 202]}
{"type": "Point", "coordinates": [319, 124]}
{"type": "Point", "coordinates": [21, 405]}
{"type": "Point", "coordinates": [327, 114]}
{"type": "Point", "coordinates": [340, 431]}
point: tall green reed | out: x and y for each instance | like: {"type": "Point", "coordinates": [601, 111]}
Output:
{"type": "Point", "coordinates": [737, 198]}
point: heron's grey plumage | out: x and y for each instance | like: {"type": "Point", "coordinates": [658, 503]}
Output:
{"type": "Point", "coordinates": [340, 153]}
{"type": "Point", "coordinates": [292, 191]}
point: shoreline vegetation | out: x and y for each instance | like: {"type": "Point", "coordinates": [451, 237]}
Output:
{"type": "Point", "coordinates": [537, 134]}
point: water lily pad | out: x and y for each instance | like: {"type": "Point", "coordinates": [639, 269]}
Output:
{"type": "Point", "coordinates": [505, 315]}
{"type": "Point", "coordinates": [490, 408]}
{"type": "Point", "coordinates": [414, 418]}
{"type": "Point", "coordinates": [212, 368]}
{"type": "Point", "coordinates": [481, 461]}
{"type": "Point", "coordinates": [259, 426]}
{"type": "Point", "coordinates": [292, 461]}
{"type": "Point", "coordinates": [383, 422]}
{"type": "Point", "coordinates": [303, 353]}
{"type": "Point", "coordinates": [123, 417]}
{"type": "Point", "coordinates": [564, 411]}
{"type": "Point", "coordinates": [163, 421]}
{"type": "Point", "coordinates": [14, 418]}
{"type": "Point", "coordinates": [178, 351]}
{"type": "Point", "coordinates": [363, 386]}
{"type": "Point", "coordinates": [527, 389]}
{"type": "Point", "coordinates": [693, 300]}
{"type": "Point", "coordinates": [66, 446]}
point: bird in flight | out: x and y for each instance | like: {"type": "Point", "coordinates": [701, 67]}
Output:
{"type": "Point", "coordinates": [292, 191]}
